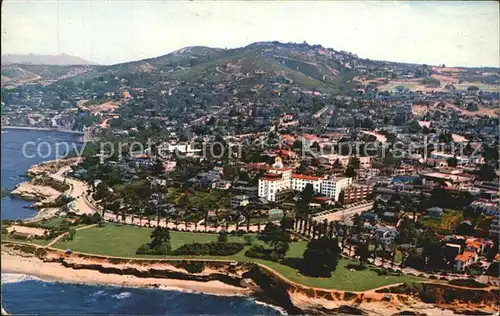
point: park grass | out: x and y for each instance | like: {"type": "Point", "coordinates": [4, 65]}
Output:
{"type": "Point", "coordinates": [123, 241]}
{"type": "Point", "coordinates": [40, 242]}
{"type": "Point", "coordinates": [445, 224]}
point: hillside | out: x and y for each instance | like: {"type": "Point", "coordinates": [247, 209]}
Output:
{"type": "Point", "coordinates": [261, 66]}
{"type": "Point", "coordinates": [301, 65]}
{"type": "Point", "coordinates": [18, 74]}
{"type": "Point", "coordinates": [35, 59]}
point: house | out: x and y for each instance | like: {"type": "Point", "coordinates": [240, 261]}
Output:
{"type": "Point", "coordinates": [369, 216]}
{"type": "Point", "coordinates": [239, 200]}
{"type": "Point", "coordinates": [390, 217]}
{"type": "Point", "coordinates": [464, 260]}
{"type": "Point", "coordinates": [386, 234]}
{"type": "Point", "coordinates": [212, 217]}
{"type": "Point", "coordinates": [222, 184]}
{"type": "Point", "coordinates": [435, 212]}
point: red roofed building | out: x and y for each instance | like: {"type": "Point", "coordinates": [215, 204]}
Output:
{"type": "Point", "coordinates": [464, 260]}
{"type": "Point", "coordinates": [299, 182]}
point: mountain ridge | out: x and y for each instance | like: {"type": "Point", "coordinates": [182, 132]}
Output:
{"type": "Point", "coordinates": [45, 59]}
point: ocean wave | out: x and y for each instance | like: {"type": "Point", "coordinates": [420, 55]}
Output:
{"type": "Point", "coordinates": [16, 278]}
{"type": "Point", "coordinates": [98, 293]}
{"type": "Point", "coordinates": [281, 310]}
{"type": "Point", "coordinates": [122, 295]}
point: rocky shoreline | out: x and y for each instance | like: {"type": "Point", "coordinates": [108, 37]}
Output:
{"type": "Point", "coordinates": [247, 279]}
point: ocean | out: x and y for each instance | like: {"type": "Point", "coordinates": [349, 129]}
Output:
{"type": "Point", "coordinates": [38, 146]}
{"type": "Point", "coordinates": [23, 294]}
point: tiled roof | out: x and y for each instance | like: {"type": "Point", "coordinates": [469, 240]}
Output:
{"type": "Point", "coordinates": [306, 177]}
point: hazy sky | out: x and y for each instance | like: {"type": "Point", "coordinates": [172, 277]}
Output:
{"type": "Point", "coordinates": [112, 31]}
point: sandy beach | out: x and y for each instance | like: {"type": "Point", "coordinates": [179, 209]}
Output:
{"type": "Point", "coordinates": [56, 272]}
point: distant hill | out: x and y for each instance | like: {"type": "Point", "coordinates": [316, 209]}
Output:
{"type": "Point", "coordinates": [263, 63]}
{"type": "Point", "coordinates": [35, 59]}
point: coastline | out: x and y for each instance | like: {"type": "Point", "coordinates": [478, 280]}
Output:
{"type": "Point", "coordinates": [51, 271]}
{"type": "Point", "coordinates": [48, 129]}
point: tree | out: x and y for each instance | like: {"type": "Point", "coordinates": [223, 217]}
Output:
{"type": "Point", "coordinates": [278, 238]}
{"type": "Point", "coordinates": [158, 168]}
{"type": "Point", "coordinates": [414, 127]}
{"type": "Point", "coordinates": [362, 252]}
{"type": "Point", "coordinates": [350, 172]}
{"type": "Point", "coordinates": [160, 237]}
{"type": "Point", "coordinates": [321, 257]}
{"type": "Point", "coordinates": [486, 172]}
{"type": "Point", "coordinates": [337, 164]}
{"type": "Point", "coordinates": [306, 197]}
{"type": "Point", "coordinates": [222, 236]}
{"type": "Point", "coordinates": [432, 252]}
{"type": "Point", "coordinates": [407, 233]}
{"type": "Point", "coordinates": [342, 197]}
{"type": "Point", "coordinates": [452, 162]}
{"type": "Point", "coordinates": [248, 239]}
{"type": "Point", "coordinates": [297, 146]}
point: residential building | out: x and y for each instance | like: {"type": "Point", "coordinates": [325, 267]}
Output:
{"type": "Point", "coordinates": [464, 260]}
{"type": "Point", "coordinates": [276, 182]}
{"type": "Point", "coordinates": [435, 212]}
{"type": "Point", "coordinates": [357, 192]}
{"type": "Point", "coordinates": [386, 234]}
{"type": "Point", "coordinates": [333, 186]}
{"type": "Point", "coordinates": [299, 182]}
{"type": "Point", "coordinates": [239, 200]}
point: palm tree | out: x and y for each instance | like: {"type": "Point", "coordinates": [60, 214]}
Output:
{"type": "Point", "coordinates": [393, 255]}
{"type": "Point", "coordinates": [248, 216]}
{"type": "Point", "coordinates": [258, 224]}
{"type": "Point", "coordinates": [325, 227]}
{"type": "Point", "coordinates": [331, 227]}
{"type": "Point", "coordinates": [310, 226]}
{"type": "Point", "coordinates": [384, 249]}
{"type": "Point", "coordinates": [196, 225]}
{"type": "Point", "coordinates": [157, 216]}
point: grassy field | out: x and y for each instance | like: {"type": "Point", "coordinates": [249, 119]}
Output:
{"type": "Point", "coordinates": [446, 223]}
{"type": "Point", "coordinates": [115, 240]}
{"type": "Point", "coordinates": [123, 241]}
{"type": "Point", "coordinates": [41, 242]}
{"type": "Point", "coordinates": [482, 86]}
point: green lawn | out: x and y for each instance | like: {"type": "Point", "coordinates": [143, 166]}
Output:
{"type": "Point", "coordinates": [446, 223]}
{"type": "Point", "coordinates": [123, 241]}
{"type": "Point", "coordinates": [115, 240]}
{"type": "Point", "coordinates": [41, 242]}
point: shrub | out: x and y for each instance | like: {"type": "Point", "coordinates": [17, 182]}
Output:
{"type": "Point", "coordinates": [356, 267]}
{"type": "Point", "coordinates": [468, 283]}
{"type": "Point", "coordinates": [210, 249]}
{"type": "Point", "coordinates": [259, 252]}
{"type": "Point", "coordinates": [145, 249]}
{"type": "Point", "coordinates": [193, 266]}
{"type": "Point", "coordinates": [40, 253]}
{"type": "Point", "coordinates": [349, 296]}
{"type": "Point", "coordinates": [249, 240]}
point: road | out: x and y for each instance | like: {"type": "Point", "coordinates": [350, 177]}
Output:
{"type": "Point", "coordinates": [337, 216]}
{"type": "Point", "coordinates": [78, 191]}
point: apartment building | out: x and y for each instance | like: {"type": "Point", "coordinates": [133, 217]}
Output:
{"type": "Point", "coordinates": [333, 186]}
{"type": "Point", "coordinates": [357, 192]}
{"type": "Point", "coordinates": [275, 182]}
{"type": "Point", "coordinates": [299, 182]}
